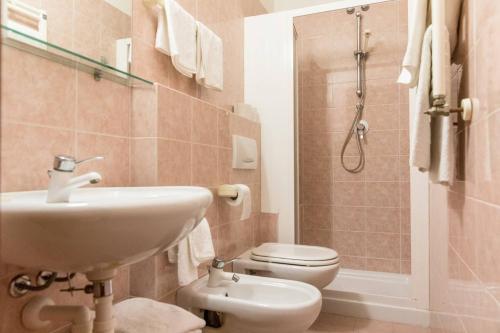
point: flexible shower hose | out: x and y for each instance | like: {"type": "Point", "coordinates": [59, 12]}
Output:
{"type": "Point", "coordinates": [353, 131]}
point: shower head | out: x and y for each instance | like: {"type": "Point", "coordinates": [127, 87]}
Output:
{"type": "Point", "coordinates": [350, 10]}
{"type": "Point", "coordinates": [365, 8]}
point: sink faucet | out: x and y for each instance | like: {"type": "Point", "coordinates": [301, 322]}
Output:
{"type": "Point", "coordinates": [62, 181]}
{"type": "Point", "coordinates": [217, 274]}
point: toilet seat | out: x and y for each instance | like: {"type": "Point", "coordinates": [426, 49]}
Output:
{"type": "Point", "coordinates": [291, 254]}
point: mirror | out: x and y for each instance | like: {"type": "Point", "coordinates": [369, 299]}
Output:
{"type": "Point", "coordinates": [97, 29]}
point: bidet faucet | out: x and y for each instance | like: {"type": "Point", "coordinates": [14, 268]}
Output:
{"type": "Point", "coordinates": [61, 182]}
{"type": "Point", "coordinates": [217, 274]}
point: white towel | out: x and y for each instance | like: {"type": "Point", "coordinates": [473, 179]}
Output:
{"type": "Point", "coordinates": [210, 58]}
{"type": "Point", "coordinates": [418, 22]}
{"type": "Point", "coordinates": [192, 251]}
{"type": "Point", "coordinates": [433, 140]}
{"type": "Point", "coordinates": [141, 315]}
{"type": "Point", "coordinates": [420, 149]}
{"type": "Point", "coordinates": [411, 61]}
{"type": "Point", "coordinates": [443, 133]}
{"type": "Point", "coordinates": [176, 37]}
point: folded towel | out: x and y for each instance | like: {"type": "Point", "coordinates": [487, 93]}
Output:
{"type": "Point", "coordinates": [433, 140]}
{"type": "Point", "coordinates": [418, 22]}
{"type": "Point", "coordinates": [191, 252]}
{"type": "Point", "coordinates": [420, 148]}
{"type": "Point", "coordinates": [176, 37]}
{"type": "Point", "coordinates": [141, 315]}
{"type": "Point", "coordinates": [210, 58]}
{"type": "Point", "coordinates": [443, 148]}
{"type": "Point", "coordinates": [411, 60]}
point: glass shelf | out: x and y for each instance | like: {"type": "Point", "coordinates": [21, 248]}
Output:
{"type": "Point", "coordinates": [27, 43]}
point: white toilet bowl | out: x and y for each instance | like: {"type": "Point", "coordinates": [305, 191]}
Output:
{"type": "Point", "coordinates": [254, 304]}
{"type": "Point", "coordinates": [310, 264]}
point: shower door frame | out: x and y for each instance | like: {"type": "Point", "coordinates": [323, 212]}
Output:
{"type": "Point", "coordinates": [269, 53]}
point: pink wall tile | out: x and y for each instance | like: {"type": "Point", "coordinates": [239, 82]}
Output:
{"type": "Point", "coordinates": [316, 237]}
{"type": "Point", "coordinates": [349, 194]}
{"type": "Point", "coordinates": [317, 217]}
{"type": "Point", "coordinates": [383, 194]}
{"type": "Point", "coordinates": [115, 168]}
{"type": "Point", "coordinates": [103, 106]}
{"type": "Point", "coordinates": [144, 113]}
{"type": "Point", "coordinates": [204, 159]}
{"type": "Point", "coordinates": [350, 243]}
{"type": "Point", "coordinates": [204, 123]}
{"type": "Point", "coordinates": [383, 265]}
{"type": "Point", "coordinates": [382, 168]}
{"type": "Point", "coordinates": [383, 245]}
{"type": "Point", "coordinates": [143, 162]}
{"type": "Point", "coordinates": [174, 171]}
{"type": "Point", "coordinates": [174, 114]}
{"type": "Point", "coordinates": [35, 147]}
{"type": "Point", "coordinates": [349, 218]}
{"type": "Point", "coordinates": [48, 94]}
{"type": "Point", "coordinates": [381, 219]}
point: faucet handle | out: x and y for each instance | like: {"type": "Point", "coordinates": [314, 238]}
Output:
{"type": "Point", "coordinates": [66, 163]}
{"type": "Point", "coordinates": [221, 263]}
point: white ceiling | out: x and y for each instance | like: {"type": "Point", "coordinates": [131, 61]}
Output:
{"type": "Point", "coordinates": [281, 5]}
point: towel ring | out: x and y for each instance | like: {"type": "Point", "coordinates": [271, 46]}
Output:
{"type": "Point", "coordinates": [466, 109]}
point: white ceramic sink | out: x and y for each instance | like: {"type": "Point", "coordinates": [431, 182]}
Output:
{"type": "Point", "coordinates": [99, 229]}
{"type": "Point", "coordinates": [255, 304]}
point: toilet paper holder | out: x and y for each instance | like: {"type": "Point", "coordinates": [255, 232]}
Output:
{"type": "Point", "coordinates": [228, 191]}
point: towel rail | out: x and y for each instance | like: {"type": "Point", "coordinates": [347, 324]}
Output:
{"type": "Point", "coordinates": [466, 109]}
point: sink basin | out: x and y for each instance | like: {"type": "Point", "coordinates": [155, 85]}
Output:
{"type": "Point", "coordinates": [99, 229]}
{"type": "Point", "coordinates": [255, 304]}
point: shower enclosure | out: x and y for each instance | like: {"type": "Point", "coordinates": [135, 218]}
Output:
{"type": "Point", "coordinates": [362, 210]}
{"type": "Point", "coordinates": [315, 78]}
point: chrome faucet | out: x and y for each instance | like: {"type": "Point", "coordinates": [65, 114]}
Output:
{"type": "Point", "coordinates": [217, 274]}
{"type": "Point", "coordinates": [61, 181]}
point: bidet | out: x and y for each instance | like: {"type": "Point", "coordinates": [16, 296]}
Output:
{"type": "Point", "coordinates": [255, 304]}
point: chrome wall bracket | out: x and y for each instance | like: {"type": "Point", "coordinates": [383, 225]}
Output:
{"type": "Point", "coordinates": [466, 109]}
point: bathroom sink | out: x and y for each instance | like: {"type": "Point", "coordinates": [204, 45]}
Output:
{"type": "Point", "coordinates": [99, 229]}
{"type": "Point", "coordinates": [255, 304]}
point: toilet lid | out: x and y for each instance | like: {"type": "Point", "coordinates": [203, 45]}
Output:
{"type": "Point", "coordinates": [293, 254]}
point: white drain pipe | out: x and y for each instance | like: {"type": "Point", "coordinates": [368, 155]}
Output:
{"type": "Point", "coordinates": [40, 311]}
{"type": "Point", "coordinates": [104, 321]}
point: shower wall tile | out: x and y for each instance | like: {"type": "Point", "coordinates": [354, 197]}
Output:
{"type": "Point", "coordinates": [369, 206]}
{"type": "Point", "coordinates": [468, 223]}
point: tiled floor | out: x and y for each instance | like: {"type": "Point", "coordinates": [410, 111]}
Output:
{"type": "Point", "coordinates": [330, 323]}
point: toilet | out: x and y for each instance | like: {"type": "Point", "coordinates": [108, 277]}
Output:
{"type": "Point", "coordinates": [314, 265]}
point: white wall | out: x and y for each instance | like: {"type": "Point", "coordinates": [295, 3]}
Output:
{"type": "Point", "coordinates": [281, 5]}
{"type": "Point", "coordinates": [269, 87]}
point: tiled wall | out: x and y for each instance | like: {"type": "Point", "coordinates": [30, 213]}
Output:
{"type": "Point", "coordinates": [365, 217]}
{"type": "Point", "coordinates": [465, 219]}
{"type": "Point", "coordinates": [174, 133]}
{"type": "Point", "coordinates": [184, 140]}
